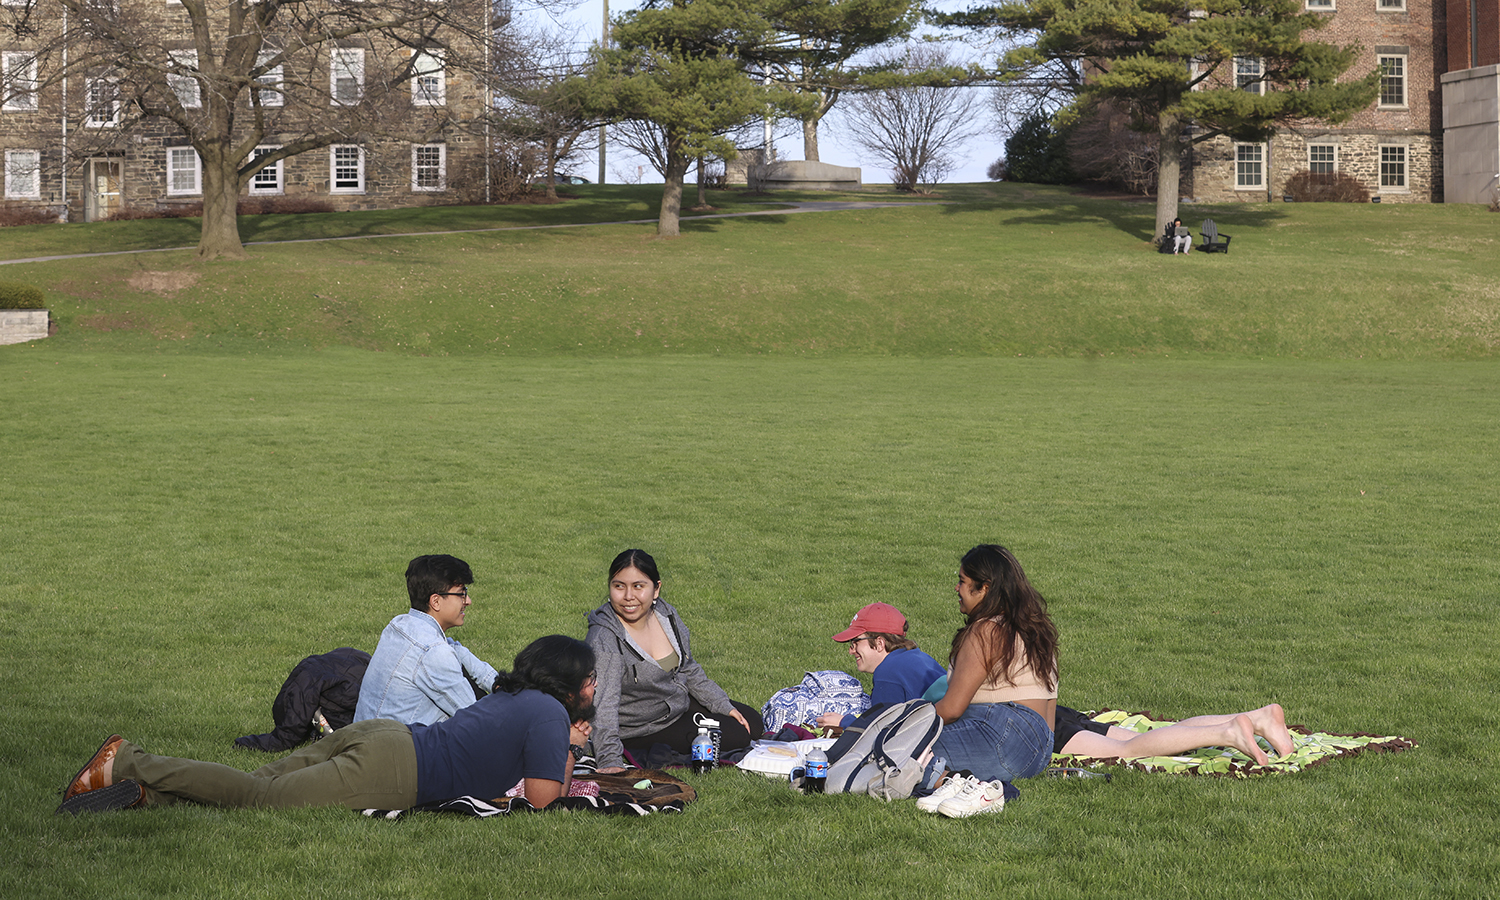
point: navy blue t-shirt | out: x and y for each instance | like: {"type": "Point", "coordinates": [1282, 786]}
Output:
{"type": "Point", "coordinates": [490, 745]}
{"type": "Point", "coordinates": [901, 676]}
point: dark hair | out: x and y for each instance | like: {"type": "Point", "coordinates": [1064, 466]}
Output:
{"type": "Point", "coordinates": [556, 665]}
{"type": "Point", "coordinates": [1017, 610]}
{"type": "Point", "coordinates": [435, 574]}
{"type": "Point", "coordinates": [638, 559]}
{"type": "Point", "coordinates": [892, 641]}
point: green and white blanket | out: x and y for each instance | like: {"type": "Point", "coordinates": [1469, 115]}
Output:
{"type": "Point", "coordinates": [1310, 749]}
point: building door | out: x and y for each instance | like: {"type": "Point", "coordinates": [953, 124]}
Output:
{"type": "Point", "coordinates": [102, 197]}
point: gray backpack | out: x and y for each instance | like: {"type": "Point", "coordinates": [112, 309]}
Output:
{"type": "Point", "coordinates": [884, 752]}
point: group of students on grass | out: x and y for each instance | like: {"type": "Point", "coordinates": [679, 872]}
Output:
{"type": "Point", "coordinates": [422, 732]}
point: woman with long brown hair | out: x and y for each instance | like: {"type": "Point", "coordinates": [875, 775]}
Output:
{"type": "Point", "coordinates": [1001, 704]}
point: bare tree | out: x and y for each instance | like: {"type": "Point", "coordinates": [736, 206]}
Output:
{"type": "Point", "coordinates": [914, 128]}
{"type": "Point", "coordinates": [247, 83]}
{"type": "Point", "coordinates": [532, 104]}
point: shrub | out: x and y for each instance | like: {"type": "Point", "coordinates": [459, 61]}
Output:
{"type": "Point", "coordinates": [26, 215]}
{"type": "Point", "coordinates": [20, 295]}
{"type": "Point", "coordinates": [1102, 146]}
{"type": "Point", "coordinates": [1037, 153]}
{"type": "Point", "coordinates": [997, 170]}
{"type": "Point", "coordinates": [1325, 187]}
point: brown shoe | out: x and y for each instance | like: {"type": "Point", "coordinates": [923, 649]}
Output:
{"type": "Point", "coordinates": [91, 776]}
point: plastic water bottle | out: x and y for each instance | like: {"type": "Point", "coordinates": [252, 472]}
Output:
{"type": "Point", "coordinates": [715, 733]}
{"type": "Point", "coordinates": [703, 751]}
{"type": "Point", "coordinates": [815, 779]}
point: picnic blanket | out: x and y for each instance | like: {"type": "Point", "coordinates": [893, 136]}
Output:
{"type": "Point", "coordinates": [639, 792]}
{"type": "Point", "coordinates": [1310, 748]}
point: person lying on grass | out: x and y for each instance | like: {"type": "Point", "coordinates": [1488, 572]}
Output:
{"type": "Point", "coordinates": [417, 673]}
{"type": "Point", "coordinates": [523, 731]}
{"type": "Point", "coordinates": [651, 689]}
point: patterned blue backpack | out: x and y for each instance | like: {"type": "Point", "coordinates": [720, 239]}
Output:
{"type": "Point", "coordinates": [819, 693]}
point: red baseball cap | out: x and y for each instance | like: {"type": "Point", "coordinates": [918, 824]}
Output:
{"type": "Point", "coordinates": [879, 617]}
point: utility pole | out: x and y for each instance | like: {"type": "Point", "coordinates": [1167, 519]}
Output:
{"type": "Point", "coordinates": [603, 45]}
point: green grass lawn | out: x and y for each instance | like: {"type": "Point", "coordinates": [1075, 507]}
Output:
{"type": "Point", "coordinates": [227, 468]}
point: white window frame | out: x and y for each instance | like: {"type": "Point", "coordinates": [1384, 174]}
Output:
{"type": "Point", "coordinates": [1404, 171]}
{"type": "Point", "coordinates": [1334, 162]}
{"type": "Point", "coordinates": [18, 81]}
{"type": "Point", "coordinates": [185, 86]}
{"type": "Point", "coordinates": [442, 167]}
{"type": "Point", "coordinates": [175, 169]}
{"type": "Point", "coordinates": [1390, 5]}
{"type": "Point", "coordinates": [1248, 72]}
{"type": "Point", "coordinates": [272, 80]}
{"type": "Point", "coordinates": [263, 184]}
{"type": "Point", "coordinates": [333, 169]}
{"type": "Point", "coordinates": [349, 62]}
{"type": "Point", "coordinates": [427, 66]}
{"type": "Point", "coordinates": [1399, 79]}
{"type": "Point", "coordinates": [1320, 5]}
{"type": "Point", "coordinates": [1260, 167]}
{"type": "Point", "coordinates": [23, 174]}
{"type": "Point", "coordinates": [109, 87]}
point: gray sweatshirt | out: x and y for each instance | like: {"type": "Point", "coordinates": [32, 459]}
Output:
{"type": "Point", "coordinates": [635, 696]}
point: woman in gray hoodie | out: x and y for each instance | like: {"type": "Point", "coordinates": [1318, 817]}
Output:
{"type": "Point", "coordinates": [651, 690]}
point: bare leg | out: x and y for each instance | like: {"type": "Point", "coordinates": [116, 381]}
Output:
{"type": "Point", "coordinates": [1269, 722]}
{"type": "Point", "coordinates": [1237, 731]}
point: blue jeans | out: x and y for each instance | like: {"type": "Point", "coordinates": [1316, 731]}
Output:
{"type": "Point", "coordinates": [997, 741]}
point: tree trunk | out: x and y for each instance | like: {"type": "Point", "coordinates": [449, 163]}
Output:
{"type": "Point", "coordinates": [550, 146]}
{"type": "Point", "coordinates": [702, 192]}
{"type": "Point", "coordinates": [671, 195]}
{"type": "Point", "coordinates": [220, 236]}
{"type": "Point", "coordinates": [810, 139]}
{"type": "Point", "coordinates": [1168, 170]}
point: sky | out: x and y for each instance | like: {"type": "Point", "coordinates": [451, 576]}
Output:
{"type": "Point", "coordinates": [586, 20]}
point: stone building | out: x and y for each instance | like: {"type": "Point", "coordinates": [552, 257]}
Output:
{"type": "Point", "coordinates": [77, 142]}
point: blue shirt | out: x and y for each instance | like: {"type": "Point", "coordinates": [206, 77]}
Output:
{"type": "Point", "coordinates": [490, 745]}
{"type": "Point", "coordinates": [903, 675]}
{"type": "Point", "coordinates": [416, 674]}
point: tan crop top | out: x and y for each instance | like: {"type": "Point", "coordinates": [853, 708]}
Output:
{"type": "Point", "coordinates": [1022, 683]}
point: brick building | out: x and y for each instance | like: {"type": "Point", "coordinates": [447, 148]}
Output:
{"type": "Point", "coordinates": [1394, 148]}
{"type": "Point", "coordinates": [75, 140]}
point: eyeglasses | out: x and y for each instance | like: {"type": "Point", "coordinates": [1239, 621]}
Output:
{"type": "Point", "coordinates": [461, 592]}
{"type": "Point", "coordinates": [592, 680]}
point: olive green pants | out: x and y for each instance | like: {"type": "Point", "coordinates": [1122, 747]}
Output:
{"type": "Point", "coordinates": [367, 765]}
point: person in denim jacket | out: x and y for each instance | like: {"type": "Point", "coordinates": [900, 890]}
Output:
{"type": "Point", "coordinates": [417, 673]}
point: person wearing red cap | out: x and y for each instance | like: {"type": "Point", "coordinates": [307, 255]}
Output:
{"type": "Point", "coordinates": [898, 670]}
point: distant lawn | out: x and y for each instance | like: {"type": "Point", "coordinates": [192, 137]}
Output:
{"type": "Point", "coordinates": [1005, 270]}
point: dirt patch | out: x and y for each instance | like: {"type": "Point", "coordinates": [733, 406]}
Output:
{"type": "Point", "coordinates": [164, 283]}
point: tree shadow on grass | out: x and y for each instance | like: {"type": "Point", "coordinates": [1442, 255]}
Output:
{"type": "Point", "coordinates": [1135, 218]}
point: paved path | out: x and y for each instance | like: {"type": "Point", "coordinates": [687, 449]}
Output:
{"type": "Point", "coordinates": [798, 207]}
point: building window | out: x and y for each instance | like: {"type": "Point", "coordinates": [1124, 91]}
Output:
{"type": "Point", "coordinates": [18, 81]}
{"type": "Point", "coordinates": [23, 175]}
{"type": "Point", "coordinates": [429, 84]}
{"type": "Point", "coordinates": [184, 171]}
{"type": "Point", "coordinates": [1322, 159]}
{"type": "Point", "coordinates": [1393, 165]}
{"type": "Point", "coordinates": [185, 86]}
{"type": "Point", "coordinates": [348, 169]}
{"type": "Point", "coordinates": [1248, 71]}
{"type": "Point", "coordinates": [1392, 81]}
{"type": "Point", "coordinates": [1390, 5]}
{"type": "Point", "coordinates": [1249, 166]}
{"type": "Point", "coordinates": [267, 180]}
{"type": "Point", "coordinates": [346, 72]}
{"type": "Point", "coordinates": [269, 92]}
{"type": "Point", "coordinates": [429, 167]}
{"type": "Point", "coordinates": [1319, 5]}
{"type": "Point", "coordinates": [103, 102]}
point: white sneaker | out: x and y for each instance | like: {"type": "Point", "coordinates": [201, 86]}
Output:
{"type": "Point", "coordinates": [955, 783]}
{"type": "Point", "coordinates": [976, 797]}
